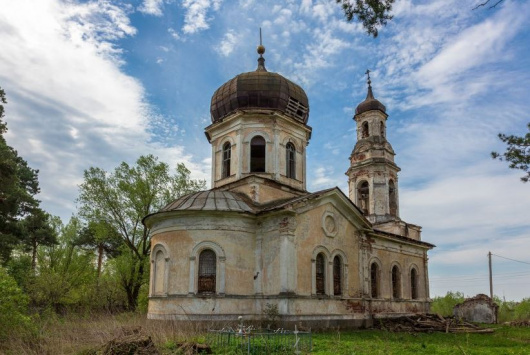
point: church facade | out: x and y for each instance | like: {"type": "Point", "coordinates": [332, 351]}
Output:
{"type": "Point", "coordinates": [259, 240]}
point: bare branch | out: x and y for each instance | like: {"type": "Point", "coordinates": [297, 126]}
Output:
{"type": "Point", "coordinates": [486, 3]}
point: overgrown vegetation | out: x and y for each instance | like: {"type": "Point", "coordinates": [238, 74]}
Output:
{"type": "Point", "coordinates": [97, 262]}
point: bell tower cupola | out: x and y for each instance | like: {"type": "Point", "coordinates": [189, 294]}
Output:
{"type": "Point", "coordinates": [373, 175]}
{"type": "Point", "coordinates": [259, 135]}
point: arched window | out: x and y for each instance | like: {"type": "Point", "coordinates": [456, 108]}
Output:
{"type": "Point", "coordinates": [320, 275]}
{"type": "Point", "coordinates": [227, 151]}
{"type": "Point", "coordinates": [396, 282]}
{"type": "Point", "coordinates": [290, 160]}
{"type": "Point", "coordinates": [257, 155]}
{"type": "Point", "coordinates": [413, 284]}
{"type": "Point", "coordinates": [207, 271]}
{"type": "Point", "coordinates": [382, 129]}
{"type": "Point", "coordinates": [392, 198]}
{"type": "Point", "coordinates": [374, 280]}
{"type": "Point", "coordinates": [363, 196]}
{"type": "Point", "coordinates": [337, 276]}
{"type": "Point", "coordinates": [159, 273]}
{"type": "Point", "coordinates": [365, 131]}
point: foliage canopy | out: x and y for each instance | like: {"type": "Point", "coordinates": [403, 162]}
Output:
{"type": "Point", "coordinates": [371, 13]}
{"type": "Point", "coordinates": [517, 153]}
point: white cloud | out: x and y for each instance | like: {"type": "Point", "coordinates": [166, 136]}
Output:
{"type": "Point", "coordinates": [229, 41]}
{"type": "Point", "coordinates": [196, 11]}
{"type": "Point", "coordinates": [152, 7]}
{"type": "Point", "coordinates": [70, 105]}
{"type": "Point", "coordinates": [174, 33]}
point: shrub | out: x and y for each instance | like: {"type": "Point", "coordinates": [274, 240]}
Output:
{"type": "Point", "coordinates": [444, 305]}
{"type": "Point", "coordinates": [14, 319]}
{"type": "Point", "coordinates": [522, 309]}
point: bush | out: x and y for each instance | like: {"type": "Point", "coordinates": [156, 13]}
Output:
{"type": "Point", "coordinates": [444, 305]}
{"type": "Point", "coordinates": [522, 309]}
{"type": "Point", "coordinates": [14, 318]}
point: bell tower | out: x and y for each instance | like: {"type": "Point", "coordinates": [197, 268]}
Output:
{"type": "Point", "coordinates": [373, 175]}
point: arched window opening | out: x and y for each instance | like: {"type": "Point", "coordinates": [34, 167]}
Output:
{"type": "Point", "coordinates": [207, 271]}
{"type": "Point", "coordinates": [413, 284]}
{"type": "Point", "coordinates": [392, 198]}
{"type": "Point", "coordinates": [396, 282]}
{"type": "Point", "coordinates": [382, 129]}
{"type": "Point", "coordinates": [337, 276]}
{"type": "Point", "coordinates": [257, 155]}
{"type": "Point", "coordinates": [320, 275]}
{"type": "Point", "coordinates": [159, 273]}
{"type": "Point", "coordinates": [290, 160]}
{"type": "Point", "coordinates": [374, 280]}
{"type": "Point", "coordinates": [363, 195]}
{"type": "Point", "coordinates": [365, 132]}
{"type": "Point", "coordinates": [227, 152]}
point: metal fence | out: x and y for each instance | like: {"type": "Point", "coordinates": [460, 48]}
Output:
{"type": "Point", "coordinates": [260, 341]}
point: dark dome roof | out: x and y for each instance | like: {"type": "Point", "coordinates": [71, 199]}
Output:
{"type": "Point", "coordinates": [369, 104]}
{"type": "Point", "coordinates": [260, 89]}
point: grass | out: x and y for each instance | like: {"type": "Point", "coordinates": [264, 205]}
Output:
{"type": "Point", "coordinates": [77, 335]}
{"type": "Point", "coordinates": [506, 340]}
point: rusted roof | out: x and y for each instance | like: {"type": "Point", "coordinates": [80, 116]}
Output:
{"type": "Point", "coordinates": [370, 103]}
{"type": "Point", "coordinates": [211, 200]}
{"type": "Point", "coordinates": [260, 89]}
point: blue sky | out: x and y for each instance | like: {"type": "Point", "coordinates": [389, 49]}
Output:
{"type": "Point", "coordinates": [94, 83]}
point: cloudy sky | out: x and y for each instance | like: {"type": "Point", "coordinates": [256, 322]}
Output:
{"type": "Point", "coordinates": [94, 83]}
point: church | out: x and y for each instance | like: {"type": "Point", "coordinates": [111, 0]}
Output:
{"type": "Point", "coordinates": [258, 240]}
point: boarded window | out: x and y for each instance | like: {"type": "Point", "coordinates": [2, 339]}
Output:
{"type": "Point", "coordinates": [337, 276]}
{"type": "Point", "coordinates": [207, 271]}
{"type": "Point", "coordinates": [374, 280]}
{"type": "Point", "coordinates": [160, 269]}
{"type": "Point", "coordinates": [257, 155]}
{"type": "Point", "coordinates": [396, 282]}
{"type": "Point", "coordinates": [320, 275]}
{"type": "Point", "coordinates": [227, 152]}
{"type": "Point", "coordinates": [392, 198]}
{"type": "Point", "coordinates": [290, 160]}
{"type": "Point", "coordinates": [413, 284]}
{"type": "Point", "coordinates": [363, 196]}
{"type": "Point", "coordinates": [365, 132]}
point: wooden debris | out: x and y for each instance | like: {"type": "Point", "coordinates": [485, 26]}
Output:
{"type": "Point", "coordinates": [429, 323]}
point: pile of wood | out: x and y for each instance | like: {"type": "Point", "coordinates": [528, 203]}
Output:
{"type": "Point", "coordinates": [428, 323]}
{"type": "Point", "coordinates": [519, 323]}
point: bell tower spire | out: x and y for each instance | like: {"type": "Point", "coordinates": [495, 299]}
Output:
{"type": "Point", "coordinates": [373, 175]}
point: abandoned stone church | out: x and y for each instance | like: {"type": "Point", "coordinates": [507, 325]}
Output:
{"type": "Point", "coordinates": [259, 238]}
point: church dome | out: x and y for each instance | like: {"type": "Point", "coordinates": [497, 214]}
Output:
{"type": "Point", "coordinates": [209, 201]}
{"type": "Point", "coordinates": [370, 103]}
{"type": "Point", "coordinates": [260, 89]}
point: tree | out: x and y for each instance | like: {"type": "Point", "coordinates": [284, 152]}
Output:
{"type": "Point", "coordinates": [517, 153]}
{"type": "Point", "coordinates": [100, 236]}
{"type": "Point", "coordinates": [121, 199]}
{"type": "Point", "coordinates": [14, 318]}
{"type": "Point", "coordinates": [372, 13]}
{"type": "Point", "coordinates": [18, 186]}
{"type": "Point", "coordinates": [37, 230]}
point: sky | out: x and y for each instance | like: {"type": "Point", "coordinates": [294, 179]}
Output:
{"type": "Point", "coordinates": [95, 83]}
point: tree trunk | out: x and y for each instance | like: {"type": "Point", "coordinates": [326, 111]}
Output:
{"type": "Point", "coordinates": [34, 254]}
{"type": "Point", "coordinates": [100, 260]}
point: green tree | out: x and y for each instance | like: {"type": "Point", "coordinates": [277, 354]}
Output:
{"type": "Point", "coordinates": [37, 230]}
{"type": "Point", "coordinates": [101, 237]}
{"type": "Point", "coordinates": [517, 153]}
{"type": "Point", "coordinates": [122, 198]}
{"type": "Point", "coordinates": [371, 13]}
{"type": "Point", "coordinates": [65, 273]}
{"type": "Point", "coordinates": [18, 187]}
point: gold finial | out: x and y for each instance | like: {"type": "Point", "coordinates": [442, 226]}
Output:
{"type": "Point", "coordinates": [261, 47]}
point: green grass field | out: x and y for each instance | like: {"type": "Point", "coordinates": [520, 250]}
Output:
{"type": "Point", "coordinates": [505, 340]}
